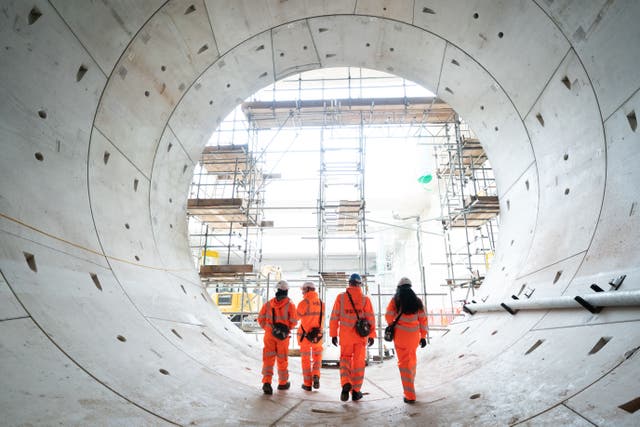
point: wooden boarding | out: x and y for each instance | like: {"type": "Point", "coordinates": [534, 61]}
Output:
{"type": "Point", "coordinates": [226, 160]}
{"type": "Point", "coordinates": [217, 210]}
{"type": "Point", "coordinates": [479, 209]}
{"type": "Point", "coordinates": [473, 155]}
{"type": "Point", "coordinates": [343, 112]}
{"type": "Point", "coordinates": [224, 270]}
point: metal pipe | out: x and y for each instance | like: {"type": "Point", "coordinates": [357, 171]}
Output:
{"type": "Point", "coordinates": [602, 299]}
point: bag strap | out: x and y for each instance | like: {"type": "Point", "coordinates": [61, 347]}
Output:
{"type": "Point", "coordinates": [396, 319]}
{"type": "Point", "coordinates": [353, 305]}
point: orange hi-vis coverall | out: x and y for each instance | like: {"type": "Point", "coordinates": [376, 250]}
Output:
{"type": "Point", "coordinates": [408, 332]}
{"type": "Point", "coordinates": [285, 312]}
{"type": "Point", "coordinates": [309, 313]}
{"type": "Point", "coordinates": [352, 346]}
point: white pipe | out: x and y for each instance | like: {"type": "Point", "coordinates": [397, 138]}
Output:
{"type": "Point", "coordinates": [601, 299]}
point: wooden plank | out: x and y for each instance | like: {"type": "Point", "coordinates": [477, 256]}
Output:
{"type": "Point", "coordinates": [212, 270]}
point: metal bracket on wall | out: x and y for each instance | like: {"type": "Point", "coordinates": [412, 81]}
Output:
{"type": "Point", "coordinates": [592, 308]}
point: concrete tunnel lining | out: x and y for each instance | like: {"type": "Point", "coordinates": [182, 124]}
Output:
{"type": "Point", "coordinates": [59, 320]}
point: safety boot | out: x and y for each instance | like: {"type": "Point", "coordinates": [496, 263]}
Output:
{"type": "Point", "coordinates": [266, 388]}
{"type": "Point", "coordinates": [409, 401]}
{"type": "Point", "coordinates": [284, 386]}
{"type": "Point", "coordinates": [306, 387]}
{"type": "Point", "coordinates": [316, 381]}
{"type": "Point", "coordinates": [356, 395]}
{"type": "Point", "coordinates": [344, 395]}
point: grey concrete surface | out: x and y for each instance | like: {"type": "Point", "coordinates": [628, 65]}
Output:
{"type": "Point", "coordinates": [105, 106]}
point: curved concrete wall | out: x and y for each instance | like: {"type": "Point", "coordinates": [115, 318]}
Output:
{"type": "Point", "coordinates": [105, 107]}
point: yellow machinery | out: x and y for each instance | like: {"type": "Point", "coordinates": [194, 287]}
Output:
{"type": "Point", "coordinates": [231, 304]}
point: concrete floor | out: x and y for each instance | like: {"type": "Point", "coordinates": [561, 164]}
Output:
{"type": "Point", "coordinates": [105, 106]}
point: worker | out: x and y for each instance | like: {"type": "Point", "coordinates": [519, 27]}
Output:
{"type": "Point", "coordinates": [352, 319]}
{"type": "Point", "coordinates": [311, 315]}
{"type": "Point", "coordinates": [277, 317]}
{"type": "Point", "coordinates": [407, 311]}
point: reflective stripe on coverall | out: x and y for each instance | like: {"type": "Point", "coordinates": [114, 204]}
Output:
{"type": "Point", "coordinates": [353, 347]}
{"type": "Point", "coordinates": [408, 332]}
{"type": "Point", "coordinates": [285, 312]}
{"type": "Point", "coordinates": [309, 315]}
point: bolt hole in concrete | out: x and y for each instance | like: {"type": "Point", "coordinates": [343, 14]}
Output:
{"type": "Point", "coordinates": [31, 261]}
{"type": "Point", "coordinates": [508, 205]}
{"type": "Point", "coordinates": [263, 75]}
{"type": "Point", "coordinates": [464, 330]}
{"type": "Point", "coordinates": [81, 72]}
{"type": "Point", "coordinates": [106, 156]}
{"type": "Point", "coordinates": [448, 90]}
{"type": "Point", "coordinates": [566, 191]}
{"type": "Point", "coordinates": [526, 184]}
{"type": "Point", "coordinates": [259, 48]}
{"type": "Point", "coordinates": [211, 102]}
{"type": "Point", "coordinates": [96, 281]}
{"type": "Point", "coordinates": [39, 156]}
{"type": "Point", "coordinates": [206, 336]}
{"type": "Point", "coordinates": [475, 396]}
{"type": "Point", "coordinates": [322, 30]}
{"type": "Point", "coordinates": [135, 184]}
{"type": "Point", "coordinates": [121, 338]}
{"type": "Point", "coordinates": [534, 346]}
{"type": "Point", "coordinates": [633, 122]}
{"type": "Point", "coordinates": [565, 157]}
{"type": "Point", "coordinates": [184, 168]}
{"type": "Point", "coordinates": [460, 356]}
{"type": "Point", "coordinates": [169, 147]}
{"type": "Point", "coordinates": [494, 332]}
{"type": "Point", "coordinates": [170, 225]}
{"type": "Point", "coordinates": [601, 343]}
{"type": "Point", "coordinates": [163, 68]}
{"type": "Point", "coordinates": [391, 49]}
{"type": "Point", "coordinates": [34, 15]}
{"type": "Point", "coordinates": [281, 54]}
{"type": "Point", "coordinates": [500, 34]}
{"type": "Point", "coordinates": [429, 11]}
{"type": "Point", "coordinates": [203, 48]}
{"type": "Point", "coordinates": [176, 333]}
{"type": "Point", "coordinates": [228, 85]}
{"type": "Point", "coordinates": [512, 242]}
{"type": "Point", "coordinates": [203, 297]}
{"type": "Point", "coordinates": [190, 9]}
{"type": "Point", "coordinates": [482, 107]}
{"type": "Point", "coordinates": [558, 274]}
{"type": "Point", "coordinates": [566, 82]}
{"type": "Point", "coordinates": [164, 372]}
{"type": "Point", "coordinates": [42, 114]}
{"type": "Point", "coordinates": [496, 128]}
{"type": "Point", "coordinates": [368, 44]}
{"type": "Point", "coordinates": [146, 93]}
{"type": "Point", "coordinates": [137, 257]}
{"type": "Point", "coordinates": [631, 406]}
{"type": "Point", "coordinates": [540, 119]}
{"type": "Point", "coordinates": [304, 47]}
{"type": "Point", "coordinates": [183, 289]}
{"type": "Point", "coordinates": [456, 63]}
{"type": "Point", "coordinates": [476, 16]}
{"type": "Point", "coordinates": [126, 226]}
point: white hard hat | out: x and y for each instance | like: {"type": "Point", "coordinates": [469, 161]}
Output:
{"type": "Point", "coordinates": [283, 285]}
{"type": "Point", "coordinates": [308, 286]}
{"type": "Point", "coordinates": [404, 281]}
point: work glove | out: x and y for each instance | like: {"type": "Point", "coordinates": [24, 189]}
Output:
{"type": "Point", "coordinates": [423, 343]}
{"type": "Point", "coordinates": [370, 341]}
{"type": "Point", "coordinates": [334, 341]}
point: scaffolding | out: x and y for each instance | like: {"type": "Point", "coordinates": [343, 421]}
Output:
{"type": "Point", "coordinates": [469, 207]}
{"type": "Point", "coordinates": [225, 205]}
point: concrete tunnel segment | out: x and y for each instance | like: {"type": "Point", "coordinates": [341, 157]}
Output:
{"type": "Point", "coordinates": [105, 108]}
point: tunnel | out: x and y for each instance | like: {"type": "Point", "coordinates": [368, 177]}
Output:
{"type": "Point", "coordinates": [106, 106]}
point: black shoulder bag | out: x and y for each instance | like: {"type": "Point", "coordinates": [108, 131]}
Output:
{"type": "Point", "coordinates": [315, 334]}
{"type": "Point", "coordinates": [278, 330]}
{"type": "Point", "coordinates": [390, 330]}
{"type": "Point", "coordinates": [363, 328]}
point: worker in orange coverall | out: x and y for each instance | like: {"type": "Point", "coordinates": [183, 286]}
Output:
{"type": "Point", "coordinates": [352, 344]}
{"type": "Point", "coordinates": [410, 329]}
{"type": "Point", "coordinates": [278, 310]}
{"type": "Point", "coordinates": [311, 315]}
